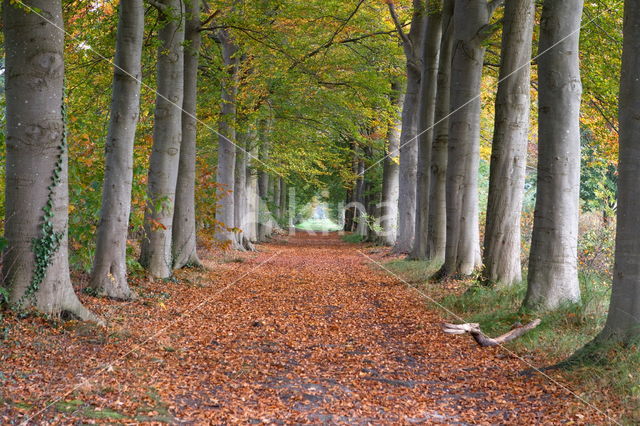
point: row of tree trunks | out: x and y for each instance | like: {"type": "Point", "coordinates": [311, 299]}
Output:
{"type": "Point", "coordinates": [426, 116]}
{"type": "Point", "coordinates": [412, 44]}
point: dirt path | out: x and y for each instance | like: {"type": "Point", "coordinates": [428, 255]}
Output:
{"type": "Point", "coordinates": [303, 331]}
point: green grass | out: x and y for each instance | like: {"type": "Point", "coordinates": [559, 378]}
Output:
{"type": "Point", "coordinates": [319, 225]}
{"type": "Point", "coordinates": [352, 238]}
{"type": "Point", "coordinates": [561, 333]}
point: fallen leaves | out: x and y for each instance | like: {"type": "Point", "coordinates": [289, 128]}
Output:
{"type": "Point", "coordinates": [314, 335]}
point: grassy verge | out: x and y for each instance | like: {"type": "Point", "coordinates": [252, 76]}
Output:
{"type": "Point", "coordinates": [613, 382]}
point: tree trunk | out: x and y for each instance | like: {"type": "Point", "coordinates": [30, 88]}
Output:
{"type": "Point", "coordinates": [412, 44]}
{"type": "Point", "coordinates": [361, 213]}
{"type": "Point", "coordinates": [184, 217]}
{"type": "Point", "coordinates": [553, 273]}
{"type": "Point", "coordinates": [109, 275]}
{"type": "Point", "coordinates": [623, 321]}
{"type": "Point", "coordinates": [283, 202]}
{"type": "Point", "coordinates": [428, 90]}
{"type": "Point", "coordinates": [437, 225]}
{"type": "Point", "coordinates": [391, 172]}
{"type": "Point", "coordinates": [156, 252]}
{"type": "Point", "coordinates": [264, 229]}
{"type": "Point", "coordinates": [227, 135]}
{"type": "Point", "coordinates": [277, 184]}
{"type": "Point", "coordinates": [240, 195]}
{"type": "Point", "coordinates": [252, 197]}
{"type": "Point", "coordinates": [509, 149]}
{"type": "Point", "coordinates": [463, 232]}
{"type": "Point", "coordinates": [36, 266]}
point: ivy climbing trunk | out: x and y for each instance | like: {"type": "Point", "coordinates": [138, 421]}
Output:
{"type": "Point", "coordinates": [184, 217]}
{"type": "Point", "coordinates": [35, 263]}
{"type": "Point", "coordinates": [412, 45]}
{"type": "Point", "coordinates": [109, 274]}
{"type": "Point", "coordinates": [437, 226]}
{"type": "Point", "coordinates": [226, 137]}
{"type": "Point", "coordinates": [509, 149]}
{"type": "Point", "coordinates": [428, 91]}
{"type": "Point", "coordinates": [391, 172]}
{"type": "Point", "coordinates": [553, 271]}
{"type": "Point", "coordinates": [462, 253]}
{"type": "Point", "coordinates": [623, 320]}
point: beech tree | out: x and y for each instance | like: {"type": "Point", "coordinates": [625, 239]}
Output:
{"type": "Point", "coordinates": [471, 20]}
{"type": "Point", "coordinates": [437, 222]}
{"type": "Point", "coordinates": [109, 274]}
{"type": "Point", "coordinates": [156, 250]}
{"type": "Point", "coordinates": [390, 170]}
{"type": "Point", "coordinates": [35, 263]}
{"type": "Point", "coordinates": [184, 217]}
{"type": "Point", "coordinates": [412, 44]}
{"type": "Point", "coordinates": [502, 240]}
{"type": "Point", "coordinates": [623, 320]}
{"type": "Point", "coordinates": [553, 272]}
{"type": "Point", "coordinates": [428, 91]}
{"type": "Point", "coordinates": [227, 135]}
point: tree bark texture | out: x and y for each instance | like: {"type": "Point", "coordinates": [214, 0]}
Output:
{"type": "Point", "coordinates": [502, 240]}
{"type": "Point", "coordinates": [109, 274]}
{"type": "Point", "coordinates": [462, 254]}
{"type": "Point", "coordinates": [437, 224]}
{"type": "Point", "coordinates": [156, 251]}
{"type": "Point", "coordinates": [226, 145]}
{"type": "Point", "coordinates": [35, 264]}
{"type": "Point", "coordinates": [184, 217]}
{"type": "Point", "coordinates": [391, 172]}
{"type": "Point", "coordinates": [428, 90]}
{"type": "Point", "coordinates": [623, 320]}
{"type": "Point", "coordinates": [412, 44]}
{"type": "Point", "coordinates": [553, 273]}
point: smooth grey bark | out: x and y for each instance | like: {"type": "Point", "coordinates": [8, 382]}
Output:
{"type": "Point", "coordinates": [623, 320]}
{"type": "Point", "coordinates": [428, 91]}
{"type": "Point", "coordinates": [264, 227]}
{"type": "Point", "coordinates": [35, 263]}
{"type": "Point", "coordinates": [252, 197]}
{"type": "Point", "coordinates": [184, 217]}
{"type": "Point", "coordinates": [361, 227]}
{"type": "Point", "coordinates": [412, 44]}
{"type": "Point", "coordinates": [509, 149]}
{"type": "Point", "coordinates": [391, 171]}
{"type": "Point", "coordinates": [275, 201]}
{"type": "Point", "coordinates": [462, 253]}
{"type": "Point", "coordinates": [226, 145]}
{"type": "Point", "coordinates": [240, 195]}
{"type": "Point", "coordinates": [283, 202]}
{"type": "Point", "coordinates": [553, 272]}
{"type": "Point", "coordinates": [109, 274]}
{"type": "Point", "coordinates": [437, 225]}
{"type": "Point", "coordinates": [156, 250]}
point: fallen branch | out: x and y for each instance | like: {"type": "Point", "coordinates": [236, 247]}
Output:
{"type": "Point", "coordinates": [482, 339]}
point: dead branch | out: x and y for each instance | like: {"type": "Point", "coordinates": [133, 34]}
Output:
{"type": "Point", "coordinates": [484, 340]}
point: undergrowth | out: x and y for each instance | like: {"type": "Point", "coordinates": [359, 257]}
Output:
{"type": "Point", "coordinates": [352, 238]}
{"type": "Point", "coordinates": [563, 332]}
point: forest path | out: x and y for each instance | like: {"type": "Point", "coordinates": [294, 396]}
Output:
{"type": "Point", "coordinates": [305, 330]}
{"type": "Point", "coordinates": [315, 334]}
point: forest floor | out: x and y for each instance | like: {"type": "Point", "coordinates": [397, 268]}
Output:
{"type": "Point", "coordinates": [306, 330]}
